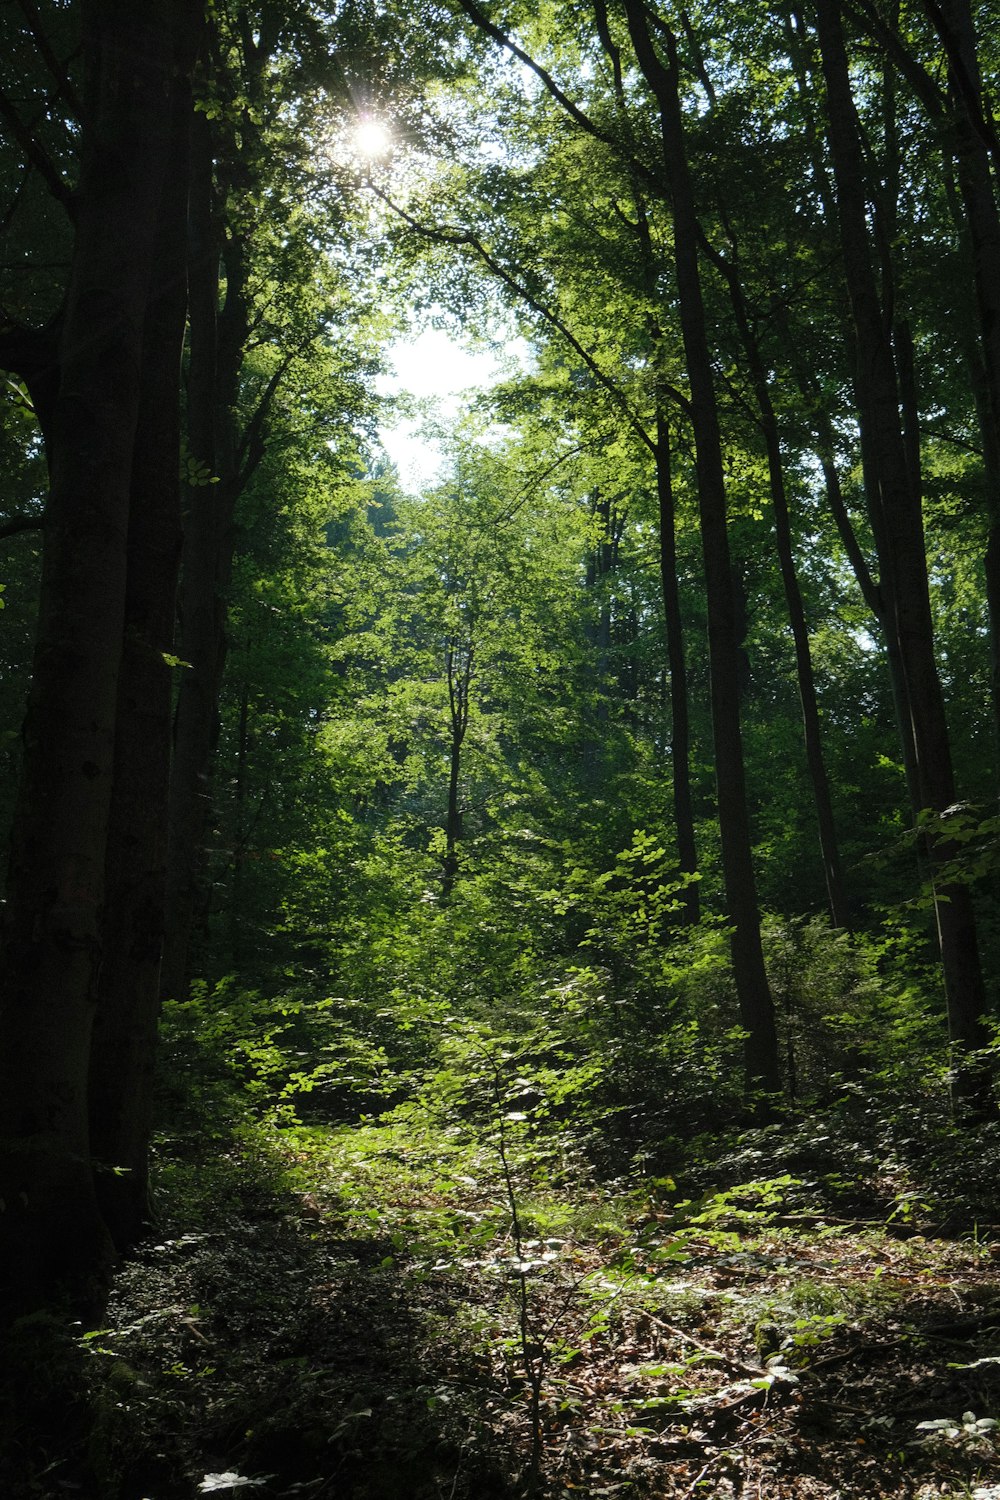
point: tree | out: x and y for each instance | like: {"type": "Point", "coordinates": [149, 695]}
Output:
{"type": "Point", "coordinates": [893, 484]}
{"type": "Point", "coordinates": [270, 256]}
{"type": "Point", "coordinates": [136, 66]}
{"type": "Point", "coordinates": [756, 1008]}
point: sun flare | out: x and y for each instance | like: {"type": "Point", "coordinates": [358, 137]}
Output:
{"type": "Point", "coordinates": [372, 139]}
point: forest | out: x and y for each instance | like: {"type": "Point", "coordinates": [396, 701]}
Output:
{"type": "Point", "coordinates": [499, 965]}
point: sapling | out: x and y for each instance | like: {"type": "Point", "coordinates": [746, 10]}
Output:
{"type": "Point", "coordinates": [534, 1350]}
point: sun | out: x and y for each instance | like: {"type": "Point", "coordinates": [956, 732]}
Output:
{"type": "Point", "coordinates": [372, 139]}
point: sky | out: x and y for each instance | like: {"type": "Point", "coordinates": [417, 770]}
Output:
{"type": "Point", "coordinates": [433, 366]}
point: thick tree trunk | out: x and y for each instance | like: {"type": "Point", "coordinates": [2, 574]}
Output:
{"type": "Point", "coordinates": [897, 522]}
{"type": "Point", "coordinates": [50, 1228]}
{"type": "Point", "coordinates": [969, 142]}
{"type": "Point", "coordinates": [976, 186]}
{"type": "Point", "coordinates": [763, 1074]}
{"type": "Point", "coordinates": [121, 1068]}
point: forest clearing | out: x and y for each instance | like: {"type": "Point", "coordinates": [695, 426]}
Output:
{"type": "Point", "coordinates": [499, 950]}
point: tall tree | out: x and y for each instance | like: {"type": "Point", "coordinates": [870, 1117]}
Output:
{"type": "Point", "coordinates": [806, 677]}
{"type": "Point", "coordinates": [894, 497]}
{"type": "Point", "coordinates": [756, 1007]}
{"type": "Point", "coordinates": [51, 1228]}
{"type": "Point", "coordinates": [123, 1045]}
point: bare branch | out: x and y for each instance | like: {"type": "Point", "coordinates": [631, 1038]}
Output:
{"type": "Point", "coordinates": [63, 81]}
{"type": "Point", "coordinates": [36, 154]}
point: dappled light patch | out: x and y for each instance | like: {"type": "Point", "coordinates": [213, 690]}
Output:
{"type": "Point", "coordinates": [359, 1319]}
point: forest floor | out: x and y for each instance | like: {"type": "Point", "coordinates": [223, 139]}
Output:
{"type": "Point", "coordinates": [351, 1314]}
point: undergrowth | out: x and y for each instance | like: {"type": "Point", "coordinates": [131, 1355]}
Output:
{"type": "Point", "coordinates": [417, 1256]}
{"type": "Point", "coordinates": [351, 1310]}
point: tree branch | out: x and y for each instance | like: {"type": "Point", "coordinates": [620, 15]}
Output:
{"type": "Point", "coordinates": [57, 69]}
{"type": "Point", "coordinates": [251, 446]}
{"type": "Point", "coordinates": [966, 85]}
{"type": "Point", "coordinates": [35, 154]}
{"type": "Point", "coordinates": [916, 75]}
{"type": "Point", "coordinates": [559, 95]}
{"type": "Point", "coordinates": [462, 238]}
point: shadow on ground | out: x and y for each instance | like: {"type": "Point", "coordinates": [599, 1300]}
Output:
{"type": "Point", "coordinates": [263, 1350]}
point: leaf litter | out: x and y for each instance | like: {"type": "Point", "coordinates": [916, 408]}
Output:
{"type": "Point", "coordinates": [380, 1333]}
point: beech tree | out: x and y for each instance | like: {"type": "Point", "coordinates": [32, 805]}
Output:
{"type": "Point", "coordinates": [893, 483]}
{"type": "Point", "coordinates": [755, 1002]}
{"type": "Point", "coordinates": [113, 396]}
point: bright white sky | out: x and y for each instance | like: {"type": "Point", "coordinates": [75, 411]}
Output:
{"type": "Point", "coordinates": [434, 365]}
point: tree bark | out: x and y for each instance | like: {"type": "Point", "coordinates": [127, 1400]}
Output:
{"type": "Point", "coordinates": [895, 503]}
{"type": "Point", "coordinates": [680, 726]}
{"type": "Point", "coordinates": [51, 1231]}
{"type": "Point", "coordinates": [217, 339]}
{"type": "Point", "coordinates": [122, 1054]}
{"type": "Point", "coordinates": [969, 145]}
{"type": "Point", "coordinates": [811, 731]}
{"type": "Point", "coordinates": [763, 1075]}
{"type": "Point", "coordinates": [680, 719]}
{"type": "Point", "coordinates": [976, 186]}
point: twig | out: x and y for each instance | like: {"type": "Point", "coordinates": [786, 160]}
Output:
{"type": "Point", "coordinates": [754, 1372]}
{"type": "Point", "coordinates": [697, 1479]}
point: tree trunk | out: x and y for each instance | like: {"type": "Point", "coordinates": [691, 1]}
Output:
{"type": "Point", "coordinates": [763, 1074]}
{"type": "Point", "coordinates": [121, 1067]}
{"type": "Point", "coordinates": [969, 142]}
{"type": "Point", "coordinates": [897, 522]}
{"type": "Point", "coordinates": [976, 186]}
{"type": "Point", "coordinates": [217, 340]}
{"type": "Point", "coordinates": [680, 730]}
{"type": "Point", "coordinates": [811, 732]}
{"type": "Point", "coordinates": [680, 726]}
{"type": "Point", "coordinates": [602, 560]}
{"type": "Point", "coordinates": [458, 664]}
{"type": "Point", "coordinates": [241, 831]}
{"type": "Point", "coordinates": [51, 1231]}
